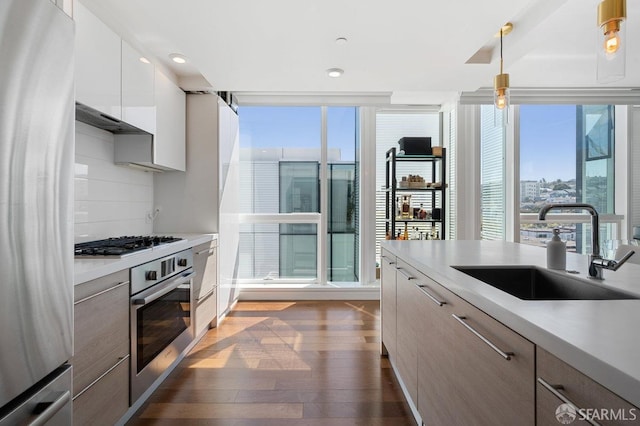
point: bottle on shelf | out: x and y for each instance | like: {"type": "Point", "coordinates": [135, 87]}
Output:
{"type": "Point", "coordinates": [406, 231]}
{"type": "Point", "coordinates": [406, 206]}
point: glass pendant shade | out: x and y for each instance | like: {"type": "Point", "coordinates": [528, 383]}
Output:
{"type": "Point", "coordinates": [501, 100]}
{"type": "Point", "coordinates": [611, 41]}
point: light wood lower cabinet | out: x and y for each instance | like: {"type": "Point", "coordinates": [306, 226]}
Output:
{"type": "Point", "coordinates": [436, 343]}
{"type": "Point", "coordinates": [101, 349]}
{"type": "Point", "coordinates": [459, 365]}
{"type": "Point", "coordinates": [106, 401]}
{"type": "Point", "coordinates": [494, 370]}
{"type": "Point", "coordinates": [559, 383]}
{"type": "Point", "coordinates": [388, 303]}
{"type": "Point", "coordinates": [205, 285]}
{"type": "Point", "coordinates": [408, 326]}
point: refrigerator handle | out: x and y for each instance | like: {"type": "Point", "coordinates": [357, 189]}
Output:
{"type": "Point", "coordinates": [52, 409]}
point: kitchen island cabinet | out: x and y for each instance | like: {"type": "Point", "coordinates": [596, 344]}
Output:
{"type": "Point", "coordinates": [559, 383]}
{"type": "Point", "coordinates": [389, 304]}
{"type": "Point", "coordinates": [101, 355]}
{"type": "Point", "coordinates": [482, 352]}
{"type": "Point", "coordinates": [408, 326]}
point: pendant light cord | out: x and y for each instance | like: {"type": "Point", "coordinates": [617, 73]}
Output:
{"type": "Point", "coordinates": [500, 50]}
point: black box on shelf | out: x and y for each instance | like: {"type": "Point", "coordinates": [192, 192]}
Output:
{"type": "Point", "coordinates": [435, 214]}
{"type": "Point", "coordinates": [414, 145]}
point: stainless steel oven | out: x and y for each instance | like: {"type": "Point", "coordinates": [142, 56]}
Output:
{"type": "Point", "coordinates": [161, 317]}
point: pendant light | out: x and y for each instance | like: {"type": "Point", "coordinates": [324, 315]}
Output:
{"type": "Point", "coordinates": [501, 100]}
{"type": "Point", "coordinates": [611, 40]}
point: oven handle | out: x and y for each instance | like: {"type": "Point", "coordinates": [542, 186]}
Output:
{"type": "Point", "coordinates": [165, 288]}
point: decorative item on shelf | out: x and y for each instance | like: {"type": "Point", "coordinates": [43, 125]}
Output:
{"type": "Point", "coordinates": [611, 47]}
{"type": "Point", "coordinates": [435, 213]}
{"type": "Point", "coordinates": [422, 213]}
{"type": "Point", "coordinates": [412, 145]}
{"type": "Point", "coordinates": [501, 95]}
{"type": "Point", "coordinates": [405, 209]}
{"type": "Point", "coordinates": [436, 151]}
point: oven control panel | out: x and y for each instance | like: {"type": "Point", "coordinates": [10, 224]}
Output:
{"type": "Point", "coordinates": [150, 273]}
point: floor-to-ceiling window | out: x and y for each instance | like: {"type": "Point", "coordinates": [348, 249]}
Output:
{"type": "Point", "coordinates": [566, 156]}
{"type": "Point", "coordinates": [390, 127]}
{"type": "Point", "coordinates": [492, 176]}
{"type": "Point", "coordinates": [299, 188]}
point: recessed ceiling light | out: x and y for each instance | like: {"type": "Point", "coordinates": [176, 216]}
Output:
{"type": "Point", "coordinates": [341, 40]}
{"type": "Point", "coordinates": [144, 60]}
{"type": "Point", "coordinates": [335, 72]}
{"type": "Point", "coordinates": [178, 58]}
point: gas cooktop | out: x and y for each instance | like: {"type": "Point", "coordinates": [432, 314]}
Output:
{"type": "Point", "coordinates": [121, 246]}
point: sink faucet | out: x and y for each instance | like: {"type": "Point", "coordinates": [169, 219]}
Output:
{"type": "Point", "coordinates": [596, 262]}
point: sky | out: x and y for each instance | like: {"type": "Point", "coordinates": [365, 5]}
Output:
{"type": "Point", "coordinates": [547, 142]}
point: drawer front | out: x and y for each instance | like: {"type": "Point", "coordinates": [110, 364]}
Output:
{"type": "Point", "coordinates": [206, 266]}
{"type": "Point", "coordinates": [101, 332]}
{"type": "Point", "coordinates": [580, 390]}
{"type": "Point", "coordinates": [206, 312]}
{"type": "Point", "coordinates": [106, 401]}
{"type": "Point", "coordinates": [495, 369]}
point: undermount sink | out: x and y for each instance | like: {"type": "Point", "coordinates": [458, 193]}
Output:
{"type": "Point", "coordinates": [534, 283]}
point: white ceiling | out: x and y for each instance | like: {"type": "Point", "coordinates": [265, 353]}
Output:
{"type": "Point", "coordinates": [416, 49]}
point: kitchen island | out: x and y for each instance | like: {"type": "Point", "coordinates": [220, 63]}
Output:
{"type": "Point", "coordinates": [596, 337]}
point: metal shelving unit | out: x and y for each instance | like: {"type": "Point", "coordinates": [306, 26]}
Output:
{"type": "Point", "coordinates": [434, 198]}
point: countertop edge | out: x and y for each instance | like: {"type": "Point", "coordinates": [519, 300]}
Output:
{"type": "Point", "coordinates": [610, 376]}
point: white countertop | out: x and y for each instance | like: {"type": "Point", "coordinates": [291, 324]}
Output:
{"type": "Point", "coordinates": [597, 337]}
{"type": "Point", "coordinates": [90, 268]}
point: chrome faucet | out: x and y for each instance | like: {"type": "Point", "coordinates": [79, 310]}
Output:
{"type": "Point", "coordinates": [596, 262]}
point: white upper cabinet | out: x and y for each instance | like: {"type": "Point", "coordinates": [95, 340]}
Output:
{"type": "Point", "coordinates": [169, 144]}
{"type": "Point", "coordinates": [98, 65]}
{"type": "Point", "coordinates": [138, 99]}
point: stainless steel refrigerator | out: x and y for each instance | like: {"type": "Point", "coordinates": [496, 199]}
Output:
{"type": "Point", "coordinates": [36, 212]}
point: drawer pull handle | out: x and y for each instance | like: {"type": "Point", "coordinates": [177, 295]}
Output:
{"type": "Point", "coordinates": [388, 261]}
{"type": "Point", "coordinates": [113, 367]}
{"type": "Point", "coordinates": [102, 292]}
{"type": "Point", "coordinates": [503, 354]}
{"type": "Point", "coordinates": [554, 389]}
{"type": "Point", "coordinates": [51, 410]}
{"type": "Point", "coordinates": [408, 277]}
{"type": "Point", "coordinates": [209, 250]}
{"type": "Point", "coordinates": [207, 294]}
{"type": "Point", "coordinates": [423, 288]}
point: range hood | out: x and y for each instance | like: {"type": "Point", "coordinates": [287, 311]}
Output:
{"type": "Point", "coordinates": [98, 119]}
{"type": "Point", "coordinates": [133, 147]}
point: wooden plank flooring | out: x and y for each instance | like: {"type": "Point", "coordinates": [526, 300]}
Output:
{"type": "Point", "coordinates": [284, 364]}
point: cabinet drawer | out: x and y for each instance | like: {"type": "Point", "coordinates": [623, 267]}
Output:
{"type": "Point", "coordinates": [388, 303]}
{"type": "Point", "coordinates": [580, 390]}
{"type": "Point", "coordinates": [495, 367]}
{"type": "Point", "coordinates": [101, 328]}
{"type": "Point", "coordinates": [206, 267]}
{"type": "Point", "coordinates": [206, 312]}
{"type": "Point", "coordinates": [106, 401]}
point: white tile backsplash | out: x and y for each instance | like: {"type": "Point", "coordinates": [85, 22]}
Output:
{"type": "Point", "coordinates": [110, 200]}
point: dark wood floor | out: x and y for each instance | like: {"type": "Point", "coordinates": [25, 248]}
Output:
{"type": "Point", "coordinates": [281, 364]}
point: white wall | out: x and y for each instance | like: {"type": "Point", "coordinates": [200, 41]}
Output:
{"type": "Point", "coordinates": [110, 200]}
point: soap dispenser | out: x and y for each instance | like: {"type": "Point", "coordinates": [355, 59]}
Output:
{"type": "Point", "coordinates": [556, 252]}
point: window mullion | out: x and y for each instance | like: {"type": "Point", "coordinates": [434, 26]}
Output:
{"type": "Point", "coordinates": [323, 226]}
